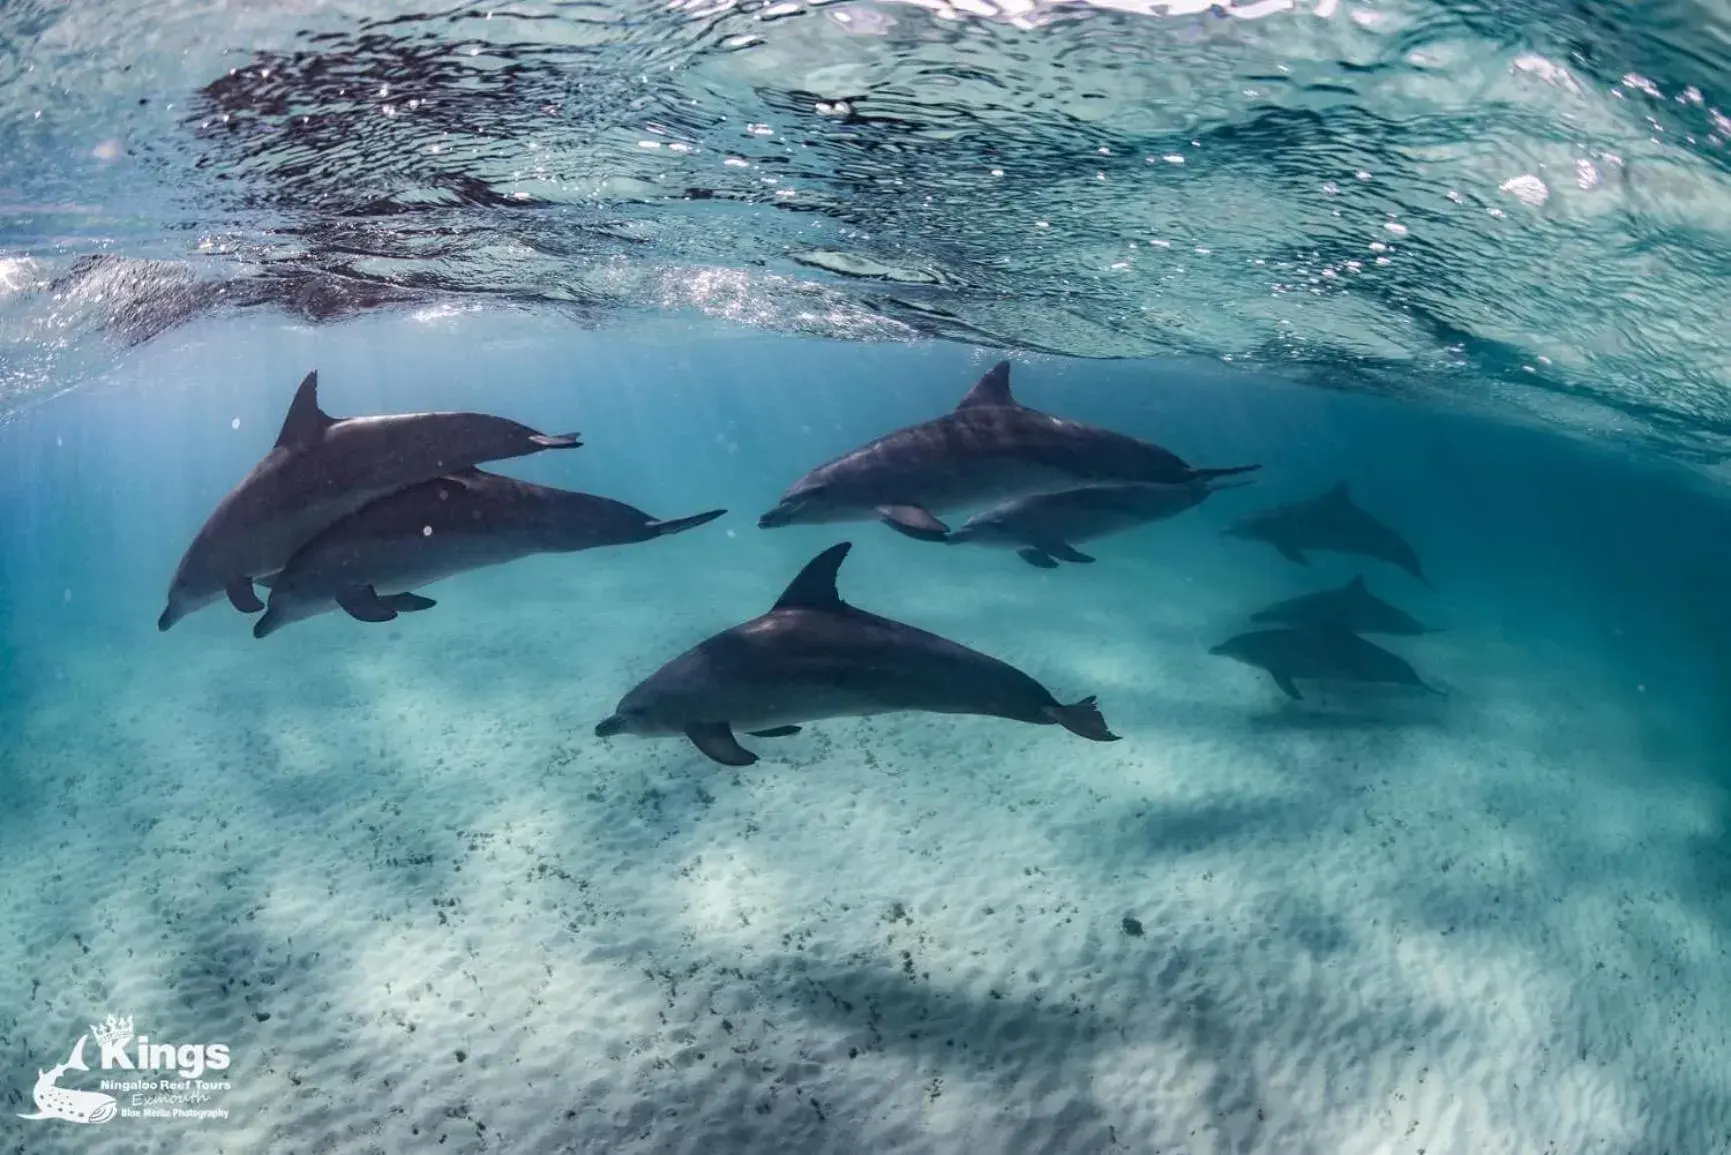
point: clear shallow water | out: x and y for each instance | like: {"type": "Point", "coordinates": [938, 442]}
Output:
{"type": "Point", "coordinates": [394, 870]}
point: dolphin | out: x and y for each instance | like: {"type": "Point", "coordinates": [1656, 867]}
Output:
{"type": "Point", "coordinates": [1330, 523]}
{"type": "Point", "coordinates": [1044, 526]}
{"type": "Point", "coordinates": [1350, 607]}
{"type": "Point", "coordinates": [989, 448]}
{"type": "Point", "coordinates": [813, 656]}
{"type": "Point", "coordinates": [322, 469]}
{"type": "Point", "coordinates": [369, 563]}
{"type": "Point", "coordinates": [1319, 654]}
{"type": "Point", "coordinates": [56, 1102]}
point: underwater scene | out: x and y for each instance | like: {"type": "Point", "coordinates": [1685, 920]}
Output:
{"type": "Point", "coordinates": [869, 576]}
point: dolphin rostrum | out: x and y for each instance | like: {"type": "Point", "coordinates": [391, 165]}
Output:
{"type": "Point", "coordinates": [56, 1102]}
{"type": "Point", "coordinates": [320, 470]}
{"type": "Point", "coordinates": [989, 448]}
{"type": "Point", "coordinates": [369, 563]}
{"type": "Point", "coordinates": [1319, 654]}
{"type": "Point", "coordinates": [1350, 607]}
{"type": "Point", "coordinates": [1332, 523]}
{"type": "Point", "coordinates": [1045, 526]}
{"type": "Point", "coordinates": [813, 656]}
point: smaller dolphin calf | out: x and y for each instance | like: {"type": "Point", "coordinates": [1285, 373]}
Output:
{"type": "Point", "coordinates": [370, 563]}
{"type": "Point", "coordinates": [1320, 655]}
{"type": "Point", "coordinates": [1330, 523]}
{"type": "Point", "coordinates": [813, 656]}
{"type": "Point", "coordinates": [1047, 525]}
{"type": "Point", "coordinates": [321, 470]}
{"type": "Point", "coordinates": [1350, 607]}
{"type": "Point", "coordinates": [990, 448]}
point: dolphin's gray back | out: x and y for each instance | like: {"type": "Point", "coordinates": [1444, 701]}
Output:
{"type": "Point", "coordinates": [989, 452]}
{"type": "Point", "coordinates": [802, 664]}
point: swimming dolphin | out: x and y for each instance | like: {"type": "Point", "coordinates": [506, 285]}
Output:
{"type": "Point", "coordinates": [56, 1102]}
{"type": "Point", "coordinates": [989, 448]}
{"type": "Point", "coordinates": [1046, 525]}
{"type": "Point", "coordinates": [320, 470]}
{"type": "Point", "coordinates": [369, 563]}
{"type": "Point", "coordinates": [1319, 654]}
{"type": "Point", "coordinates": [813, 656]}
{"type": "Point", "coordinates": [1350, 607]}
{"type": "Point", "coordinates": [1330, 523]}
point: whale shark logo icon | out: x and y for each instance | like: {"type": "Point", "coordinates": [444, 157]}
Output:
{"type": "Point", "coordinates": [66, 1103]}
{"type": "Point", "coordinates": [56, 1102]}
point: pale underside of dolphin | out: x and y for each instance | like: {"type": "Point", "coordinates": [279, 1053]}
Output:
{"type": "Point", "coordinates": [1350, 607]}
{"type": "Point", "coordinates": [1324, 655]}
{"type": "Point", "coordinates": [813, 656]}
{"type": "Point", "coordinates": [1332, 523]}
{"type": "Point", "coordinates": [320, 470]}
{"type": "Point", "coordinates": [990, 448]}
{"type": "Point", "coordinates": [370, 563]}
{"type": "Point", "coordinates": [1044, 528]}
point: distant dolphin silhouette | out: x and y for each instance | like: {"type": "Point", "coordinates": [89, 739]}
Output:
{"type": "Point", "coordinates": [1349, 607]}
{"type": "Point", "coordinates": [989, 448]}
{"type": "Point", "coordinates": [1330, 523]}
{"type": "Point", "coordinates": [1045, 526]}
{"type": "Point", "coordinates": [56, 1102]}
{"type": "Point", "coordinates": [1320, 654]}
{"type": "Point", "coordinates": [320, 470]}
{"type": "Point", "coordinates": [370, 562]}
{"type": "Point", "coordinates": [813, 656]}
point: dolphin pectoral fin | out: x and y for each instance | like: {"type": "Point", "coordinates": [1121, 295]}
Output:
{"type": "Point", "coordinates": [775, 732]}
{"type": "Point", "coordinates": [39, 1114]}
{"type": "Point", "coordinates": [1293, 554]}
{"type": "Point", "coordinates": [1038, 558]}
{"type": "Point", "coordinates": [914, 521]}
{"type": "Point", "coordinates": [1070, 554]}
{"type": "Point", "coordinates": [1206, 475]}
{"type": "Point", "coordinates": [681, 524]}
{"type": "Point", "coordinates": [364, 605]}
{"type": "Point", "coordinates": [1287, 686]}
{"type": "Point", "coordinates": [408, 603]}
{"type": "Point", "coordinates": [717, 743]}
{"type": "Point", "coordinates": [557, 440]}
{"type": "Point", "coordinates": [1083, 719]}
{"type": "Point", "coordinates": [242, 596]}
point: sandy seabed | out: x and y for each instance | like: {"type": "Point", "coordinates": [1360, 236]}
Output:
{"type": "Point", "coordinates": [394, 871]}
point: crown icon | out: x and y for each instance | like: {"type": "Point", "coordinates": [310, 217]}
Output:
{"type": "Point", "coordinates": [112, 1030]}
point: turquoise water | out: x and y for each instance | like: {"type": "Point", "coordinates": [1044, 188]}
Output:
{"type": "Point", "coordinates": [390, 887]}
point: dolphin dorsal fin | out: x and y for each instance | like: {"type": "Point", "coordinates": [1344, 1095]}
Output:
{"type": "Point", "coordinates": [1357, 584]}
{"type": "Point", "coordinates": [814, 588]}
{"type": "Point", "coordinates": [992, 389]}
{"type": "Point", "coordinates": [1340, 493]}
{"type": "Point", "coordinates": [306, 422]}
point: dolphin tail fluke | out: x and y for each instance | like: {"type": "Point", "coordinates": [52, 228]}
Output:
{"type": "Point", "coordinates": [1227, 471]}
{"type": "Point", "coordinates": [681, 524]}
{"type": "Point", "coordinates": [558, 440]}
{"type": "Point", "coordinates": [1083, 719]}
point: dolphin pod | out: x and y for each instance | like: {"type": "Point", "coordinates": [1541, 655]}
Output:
{"type": "Point", "coordinates": [359, 514]}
